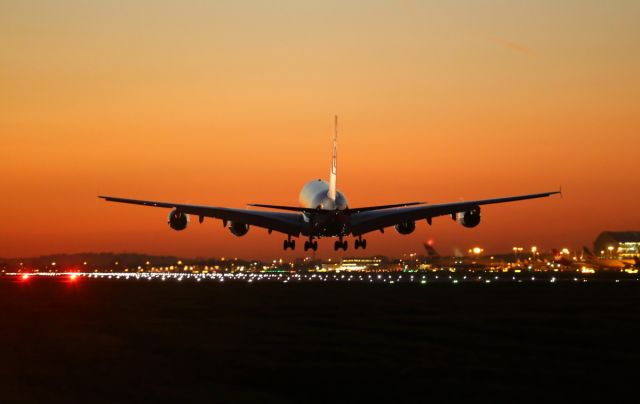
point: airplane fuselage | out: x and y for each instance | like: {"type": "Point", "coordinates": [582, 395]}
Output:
{"type": "Point", "coordinates": [329, 217]}
{"type": "Point", "coordinates": [315, 195]}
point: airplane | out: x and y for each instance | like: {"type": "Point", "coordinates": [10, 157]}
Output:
{"type": "Point", "coordinates": [435, 259]}
{"type": "Point", "coordinates": [324, 212]}
{"type": "Point", "coordinates": [588, 260]}
{"type": "Point", "coordinates": [468, 262]}
{"type": "Point", "coordinates": [591, 258]}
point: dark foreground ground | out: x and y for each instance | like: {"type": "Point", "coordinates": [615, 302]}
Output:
{"type": "Point", "coordinates": [116, 341]}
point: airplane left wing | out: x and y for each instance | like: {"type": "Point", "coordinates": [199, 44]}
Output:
{"type": "Point", "coordinates": [287, 223]}
{"type": "Point", "coordinates": [367, 221]}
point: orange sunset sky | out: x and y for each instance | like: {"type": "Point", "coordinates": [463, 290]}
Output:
{"type": "Point", "coordinates": [231, 102]}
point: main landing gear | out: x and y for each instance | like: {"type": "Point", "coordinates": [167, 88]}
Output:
{"type": "Point", "coordinates": [288, 243]}
{"type": "Point", "coordinates": [311, 245]}
{"type": "Point", "coordinates": [360, 243]}
{"type": "Point", "coordinates": [340, 244]}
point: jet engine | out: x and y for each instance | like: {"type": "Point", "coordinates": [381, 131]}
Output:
{"type": "Point", "coordinates": [238, 229]}
{"type": "Point", "coordinates": [406, 227]}
{"type": "Point", "coordinates": [469, 218]}
{"type": "Point", "coordinates": [178, 220]}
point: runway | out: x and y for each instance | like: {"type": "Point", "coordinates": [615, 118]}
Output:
{"type": "Point", "coordinates": [112, 340]}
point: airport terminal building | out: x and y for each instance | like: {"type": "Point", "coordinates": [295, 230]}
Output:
{"type": "Point", "coordinates": [617, 244]}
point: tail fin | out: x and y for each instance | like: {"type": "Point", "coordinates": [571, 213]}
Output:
{"type": "Point", "coordinates": [587, 253]}
{"type": "Point", "coordinates": [431, 252]}
{"type": "Point", "coordinates": [334, 163]}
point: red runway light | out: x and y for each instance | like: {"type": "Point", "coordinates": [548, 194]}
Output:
{"type": "Point", "coordinates": [25, 277]}
{"type": "Point", "coordinates": [72, 278]}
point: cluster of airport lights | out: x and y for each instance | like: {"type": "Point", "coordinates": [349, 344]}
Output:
{"type": "Point", "coordinates": [380, 278]}
{"type": "Point", "coordinates": [180, 266]}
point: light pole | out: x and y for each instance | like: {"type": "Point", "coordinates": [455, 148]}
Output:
{"type": "Point", "coordinates": [516, 250]}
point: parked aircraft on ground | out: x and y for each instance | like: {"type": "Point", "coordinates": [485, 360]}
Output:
{"type": "Point", "coordinates": [588, 260]}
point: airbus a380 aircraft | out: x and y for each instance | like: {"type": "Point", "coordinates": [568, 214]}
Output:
{"type": "Point", "coordinates": [324, 212]}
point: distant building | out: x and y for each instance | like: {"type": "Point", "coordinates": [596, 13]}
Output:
{"type": "Point", "coordinates": [617, 244]}
{"type": "Point", "coordinates": [360, 264]}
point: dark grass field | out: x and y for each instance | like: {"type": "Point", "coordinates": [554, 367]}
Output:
{"type": "Point", "coordinates": [124, 341]}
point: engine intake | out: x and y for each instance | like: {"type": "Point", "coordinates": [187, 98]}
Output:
{"type": "Point", "coordinates": [238, 229]}
{"type": "Point", "coordinates": [178, 220]}
{"type": "Point", "coordinates": [406, 227]}
{"type": "Point", "coordinates": [469, 218]}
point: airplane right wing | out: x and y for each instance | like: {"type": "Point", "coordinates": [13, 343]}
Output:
{"type": "Point", "coordinates": [367, 221]}
{"type": "Point", "coordinates": [287, 223]}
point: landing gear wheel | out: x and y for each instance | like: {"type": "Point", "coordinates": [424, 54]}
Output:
{"type": "Point", "coordinates": [363, 244]}
{"type": "Point", "coordinates": [310, 245]}
{"type": "Point", "coordinates": [285, 245]}
{"type": "Point", "coordinates": [356, 244]}
{"type": "Point", "coordinates": [293, 244]}
{"type": "Point", "coordinates": [340, 244]}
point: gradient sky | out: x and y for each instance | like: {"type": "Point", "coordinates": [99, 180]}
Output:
{"type": "Point", "coordinates": [231, 102]}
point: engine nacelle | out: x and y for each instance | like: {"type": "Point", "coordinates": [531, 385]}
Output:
{"type": "Point", "coordinates": [178, 220]}
{"type": "Point", "coordinates": [238, 229]}
{"type": "Point", "coordinates": [406, 227]}
{"type": "Point", "coordinates": [469, 218]}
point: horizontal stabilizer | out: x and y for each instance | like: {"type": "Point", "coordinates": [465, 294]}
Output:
{"type": "Point", "coordinates": [280, 207]}
{"type": "Point", "coordinates": [379, 207]}
{"type": "Point", "coordinates": [363, 209]}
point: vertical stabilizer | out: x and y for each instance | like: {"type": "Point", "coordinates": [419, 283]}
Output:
{"type": "Point", "coordinates": [334, 163]}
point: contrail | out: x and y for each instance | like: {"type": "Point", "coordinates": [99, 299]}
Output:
{"type": "Point", "coordinates": [512, 45]}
